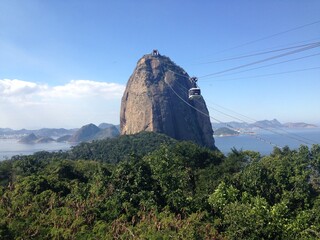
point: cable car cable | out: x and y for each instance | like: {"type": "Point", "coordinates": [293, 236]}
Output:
{"type": "Point", "coordinates": [268, 65]}
{"type": "Point", "coordinates": [264, 75]}
{"type": "Point", "coordinates": [256, 54]}
{"type": "Point", "coordinates": [313, 45]}
{"type": "Point", "coordinates": [287, 135]}
{"type": "Point", "coordinates": [278, 128]}
{"type": "Point", "coordinates": [259, 138]}
{"type": "Point", "coordinates": [227, 114]}
{"type": "Point", "coordinates": [268, 37]}
{"type": "Point", "coordinates": [266, 50]}
{"type": "Point", "coordinates": [263, 60]}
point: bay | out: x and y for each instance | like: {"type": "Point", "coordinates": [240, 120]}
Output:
{"type": "Point", "coordinates": [11, 147]}
{"type": "Point", "coordinates": [259, 142]}
{"type": "Point", "coordinates": [264, 141]}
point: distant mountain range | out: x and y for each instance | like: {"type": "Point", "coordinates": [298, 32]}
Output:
{"type": "Point", "coordinates": [44, 132]}
{"type": "Point", "coordinates": [86, 133]}
{"type": "Point", "coordinates": [92, 132]}
{"type": "Point", "coordinates": [263, 124]}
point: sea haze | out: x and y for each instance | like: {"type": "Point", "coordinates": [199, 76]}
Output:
{"type": "Point", "coordinates": [263, 141]}
{"type": "Point", "coordinates": [10, 147]}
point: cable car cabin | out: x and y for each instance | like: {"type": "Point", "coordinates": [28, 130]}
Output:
{"type": "Point", "coordinates": [194, 93]}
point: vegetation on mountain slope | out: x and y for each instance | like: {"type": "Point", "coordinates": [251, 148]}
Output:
{"type": "Point", "coordinates": [177, 190]}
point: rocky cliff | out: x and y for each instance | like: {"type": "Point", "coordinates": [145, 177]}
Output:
{"type": "Point", "coordinates": [156, 99]}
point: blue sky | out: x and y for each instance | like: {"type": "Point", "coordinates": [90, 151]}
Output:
{"type": "Point", "coordinates": [66, 63]}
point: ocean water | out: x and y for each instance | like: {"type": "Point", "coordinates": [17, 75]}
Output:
{"type": "Point", "coordinates": [264, 141]}
{"type": "Point", "coordinates": [10, 147]}
{"type": "Point", "coordinates": [259, 142]}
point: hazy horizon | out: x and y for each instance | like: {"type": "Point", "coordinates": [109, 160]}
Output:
{"type": "Point", "coordinates": [66, 64]}
{"type": "Point", "coordinates": [97, 124]}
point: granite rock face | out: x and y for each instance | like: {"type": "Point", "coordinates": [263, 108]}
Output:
{"type": "Point", "coordinates": [156, 99]}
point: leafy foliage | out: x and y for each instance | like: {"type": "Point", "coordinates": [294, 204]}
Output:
{"type": "Point", "coordinates": [116, 149]}
{"type": "Point", "coordinates": [176, 190]}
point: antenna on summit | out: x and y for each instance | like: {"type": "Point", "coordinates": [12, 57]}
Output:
{"type": "Point", "coordinates": [155, 52]}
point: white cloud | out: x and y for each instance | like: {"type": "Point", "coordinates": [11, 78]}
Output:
{"type": "Point", "coordinates": [17, 90]}
{"type": "Point", "coordinates": [88, 88]}
{"type": "Point", "coordinates": [26, 104]}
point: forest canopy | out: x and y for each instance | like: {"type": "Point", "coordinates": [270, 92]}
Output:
{"type": "Point", "coordinates": [148, 186]}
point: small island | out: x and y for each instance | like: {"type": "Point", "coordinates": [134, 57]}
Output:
{"type": "Point", "coordinates": [32, 139]}
{"type": "Point", "coordinates": [224, 131]}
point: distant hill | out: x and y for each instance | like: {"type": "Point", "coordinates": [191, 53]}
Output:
{"type": "Point", "coordinates": [85, 133]}
{"type": "Point", "coordinates": [109, 125]}
{"type": "Point", "coordinates": [45, 140]}
{"type": "Point", "coordinates": [64, 138]}
{"type": "Point", "coordinates": [88, 132]}
{"type": "Point", "coordinates": [299, 125]}
{"type": "Point", "coordinates": [116, 149]}
{"type": "Point", "coordinates": [224, 131]}
{"type": "Point", "coordinates": [109, 132]}
{"type": "Point", "coordinates": [91, 132]}
{"type": "Point", "coordinates": [29, 139]}
{"type": "Point", "coordinates": [43, 132]}
{"type": "Point", "coordinates": [267, 124]}
{"type": "Point", "coordinates": [263, 124]}
{"type": "Point", "coordinates": [234, 125]}
{"type": "Point", "coordinates": [32, 139]}
{"type": "Point", "coordinates": [105, 125]}
{"type": "Point", "coordinates": [53, 132]}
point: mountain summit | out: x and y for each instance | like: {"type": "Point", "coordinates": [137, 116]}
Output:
{"type": "Point", "coordinates": [156, 99]}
